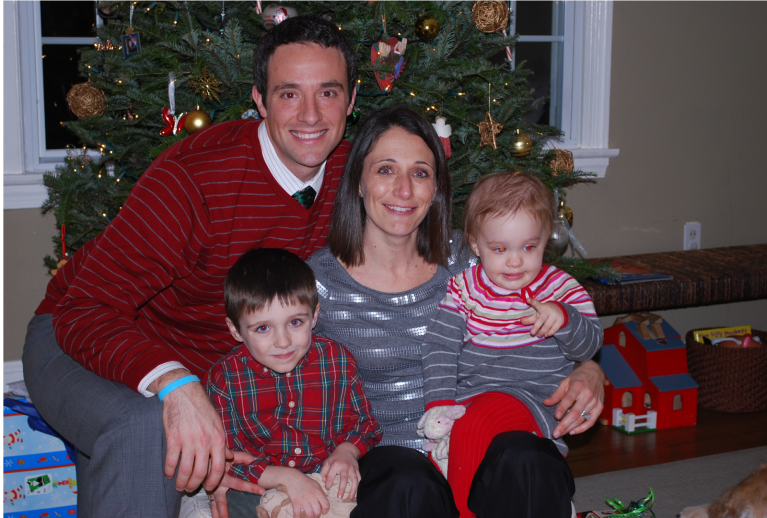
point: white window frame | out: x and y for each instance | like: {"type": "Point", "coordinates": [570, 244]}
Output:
{"type": "Point", "coordinates": [25, 155]}
{"type": "Point", "coordinates": [585, 97]}
{"type": "Point", "coordinates": [585, 83]}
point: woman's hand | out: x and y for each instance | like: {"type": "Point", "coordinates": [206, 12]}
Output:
{"type": "Point", "coordinates": [582, 390]}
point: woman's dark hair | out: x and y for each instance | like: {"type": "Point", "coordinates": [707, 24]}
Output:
{"type": "Point", "coordinates": [347, 229]}
{"type": "Point", "coordinates": [263, 276]}
{"type": "Point", "coordinates": [302, 29]}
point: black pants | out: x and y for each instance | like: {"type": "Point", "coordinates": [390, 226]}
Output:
{"type": "Point", "coordinates": [521, 476]}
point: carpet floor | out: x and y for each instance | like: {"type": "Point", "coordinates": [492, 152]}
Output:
{"type": "Point", "coordinates": [676, 484]}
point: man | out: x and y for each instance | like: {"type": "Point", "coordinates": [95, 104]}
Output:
{"type": "Point", "coordinates": [140, 307]}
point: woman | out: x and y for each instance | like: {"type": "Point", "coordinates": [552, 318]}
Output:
{"type": "Point", "coordinates": [380, 279]}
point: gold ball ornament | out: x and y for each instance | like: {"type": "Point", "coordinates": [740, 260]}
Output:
{"type": "Point", "coordinates": [197, 120]}
{"type": "Point", "coordinates": [521, 144]}
{"type": "Point", "coordinates": [86, 101]}
{"type": "Point", "coordinates": [562, 162]}
{"type": "Point", "coordinates": [490, 16]}
{"type": "Point", "coordinates": [565, 211]}
{"type": "Point", "coordinates": [426, 27]}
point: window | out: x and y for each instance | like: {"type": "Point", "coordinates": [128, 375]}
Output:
{"type": "Point", "coordinates": [647, 400]}
{"type": "Point", "coordinates": [40, 43]}
{"type": "Point", "coordinates": [59, 29]}
{"type": "Point", "coordinates": [622, 339]}
{"type": "Point", "coordinates": [677, 402]}
{"type": "Point", "coordinates": [627, 400]}
{"type": "Point", "coordinates": [575, 49]}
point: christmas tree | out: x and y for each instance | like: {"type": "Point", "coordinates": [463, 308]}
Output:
{"type": "Point", "coordinates": [195, 58]}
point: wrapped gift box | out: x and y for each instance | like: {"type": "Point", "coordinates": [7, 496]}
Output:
{"type": "Point", "coordinates": [39, 478]}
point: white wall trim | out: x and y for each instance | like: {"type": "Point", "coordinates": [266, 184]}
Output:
{"type": "Point", "coordinates": [24, 191]}
{"type": "Point", "coordinates": [12, 371]}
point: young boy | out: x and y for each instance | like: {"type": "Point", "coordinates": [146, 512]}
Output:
{"type": "Point", "coordinates": [508, 330]}
{"type": "Point", "coordinates": [292, 400]}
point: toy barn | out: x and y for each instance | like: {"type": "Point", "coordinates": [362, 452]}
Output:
{"type": "Point", "coordinates": [645, 363]}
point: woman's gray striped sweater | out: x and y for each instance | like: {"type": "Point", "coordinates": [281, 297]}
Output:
{"type": "Point", "coordinates": [384, 332]}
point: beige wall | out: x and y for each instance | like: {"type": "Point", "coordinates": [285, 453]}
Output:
{"type": "Point", "coordinates": [688, 109]}
{"type": "Point", "coordinates": [688, 112]}
{"type": "Point", "coordinates": [26, 240]}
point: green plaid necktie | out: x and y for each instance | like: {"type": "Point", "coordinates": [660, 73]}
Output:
{"type": "Point", "coordinates": [305, 196]}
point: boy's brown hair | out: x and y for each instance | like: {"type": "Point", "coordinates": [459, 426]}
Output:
{"type": "Point", "coordinates": [502, 194]}
{"type": "Point", "coordinates": [263, 276]}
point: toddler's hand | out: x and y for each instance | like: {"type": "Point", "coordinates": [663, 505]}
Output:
{"type": "Point", "coordinates": [548, 318]}
{"type": "Point", "coordinates": [343, 462]}
{"type": "Point", "coordinates": [306, 495]}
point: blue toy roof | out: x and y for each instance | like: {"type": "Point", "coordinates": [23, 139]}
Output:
{"type": "Point", "coordinates": [616, 368]}
{"type": "Point", "coordinates": [673, 382]}
{"type": "Point", "coordinates": [672, 339]}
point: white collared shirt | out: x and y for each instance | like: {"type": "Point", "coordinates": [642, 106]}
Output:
{"type": "Point", "coordinates": [282, 174]}
{"type": "Point", "coordinates": [287, 181]}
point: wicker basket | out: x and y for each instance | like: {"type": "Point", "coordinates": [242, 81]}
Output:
{"type": "Point", "coordinates": [731, 380]}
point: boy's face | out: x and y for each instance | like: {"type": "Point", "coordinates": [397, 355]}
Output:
{"type": "Point", "coordinates": [277, 336]}
{"type": "Point", "coordinates": [511, 249]}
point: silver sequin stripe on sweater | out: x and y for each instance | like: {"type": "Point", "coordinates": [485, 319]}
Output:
{"type": "Point", "coordinates": [384, 332]}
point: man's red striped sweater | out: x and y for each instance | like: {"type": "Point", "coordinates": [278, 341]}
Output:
{"type": "Point", "coordinates": [149, 289]}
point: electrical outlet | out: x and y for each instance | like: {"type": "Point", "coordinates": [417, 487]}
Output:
{"type": "Point", "coordinates": [692, 235]}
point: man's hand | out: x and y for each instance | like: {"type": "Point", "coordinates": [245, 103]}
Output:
{"type": "Point", "coordinates": [218, 504]}
{"type": "Point", "coordinates": [582, 390]}
{"type": "Point", "coordinates": [194, 432]}
{"type": "Point", "coordinates": [548, 318]}
{"type": "Point", "coordinates": [343, 462]}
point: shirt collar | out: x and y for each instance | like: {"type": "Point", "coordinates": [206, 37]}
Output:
{"type": "Point", "coordinates": [280, 172]}
{"type": "Point", "coordinates": [265, 372]}
{"type": "Point", "coordinates": [529, 291]}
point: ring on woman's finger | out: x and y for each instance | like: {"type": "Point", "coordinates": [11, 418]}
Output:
{"type": "Point", "coordinates": [211, 499]}
{"type": "Point", "coordinates": [585, 415]}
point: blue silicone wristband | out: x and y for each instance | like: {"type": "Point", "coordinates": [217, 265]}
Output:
{"type": "Point", "coordinates": [170, 387]}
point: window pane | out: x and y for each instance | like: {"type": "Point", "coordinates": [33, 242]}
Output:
{"type": "Point", "coordinates": [538, 58]}
{"type": "Point", "coordinates": [59, 75]}
{"type": "Point", "coordinates": [534, 18]}
{"type": "Point", "coordinates": [68, 19]}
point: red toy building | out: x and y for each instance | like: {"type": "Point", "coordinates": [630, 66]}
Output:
{"type": "Point", "coordinates": [645, 364]}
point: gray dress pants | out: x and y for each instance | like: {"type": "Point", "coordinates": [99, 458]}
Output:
{"type": "Point", "coordinates": [119, 432]}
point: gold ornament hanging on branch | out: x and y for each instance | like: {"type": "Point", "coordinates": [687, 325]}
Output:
{"type": "Point", "coordinates": [562, 162]}
{"type": "Point", "coordinates": [490, 15]}
{"type": "Point", "coordinates": [426, 27]}
{"type": "Point", "coordinates": [521, 144]}
{"type": "Point", "coordinates": [86, 101]}
{"type": "Point", "coordinates": [196, 120]}
{"type": "Point", "coordinates": [488, 128]}
{"type": "Point", "coordinates": [206, 85]}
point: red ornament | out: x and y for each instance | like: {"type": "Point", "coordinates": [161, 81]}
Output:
{"type": "Point", "coordinates": [174, 123]}
{"type": "Point", "coordinates": [391, 52]}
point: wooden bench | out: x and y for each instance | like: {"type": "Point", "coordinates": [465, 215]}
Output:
{"type": "Point", "coordinates": [701, 278]}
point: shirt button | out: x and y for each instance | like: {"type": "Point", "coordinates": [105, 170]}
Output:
{"type": "Point", "coordinates": [298, 451]}
{"type": "Point", "coordinates": [265, 369]}
{"type": "Point", "coordinates": [292, 404]}
{"type": "Point", "coordinates": [287, 375]}
{"type": "Point", "coordinates": [292, 464]}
